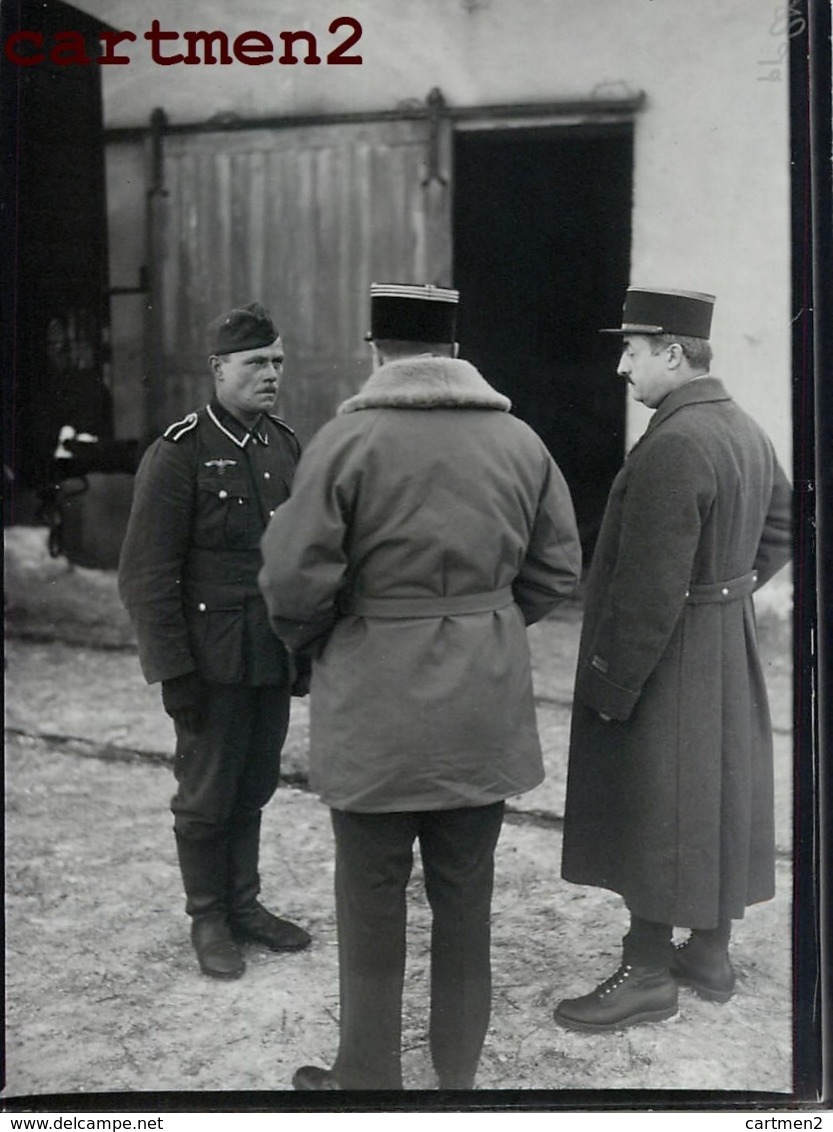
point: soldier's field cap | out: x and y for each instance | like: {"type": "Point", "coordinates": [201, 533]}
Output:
{"type": "Point", "coordinates": [661, 311]}
{"type": "Point", "coordinates": [413, 312]}
{"type": "Point", "coordinates": [242, 328]}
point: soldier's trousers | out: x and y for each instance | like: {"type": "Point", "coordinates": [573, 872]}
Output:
{"type": "Point", "coordinates": [228, 770]}
{"type": "Point", "coordinates": [374, 858]}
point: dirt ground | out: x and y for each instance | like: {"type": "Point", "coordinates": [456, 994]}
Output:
{"type": "Point", "coordinates": [103, 995]}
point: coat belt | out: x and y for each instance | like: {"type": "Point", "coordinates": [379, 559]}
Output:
{"type": "Point", "coordinates": [732, 590]}
{"type": "Point", "coordinates": [431, 606]}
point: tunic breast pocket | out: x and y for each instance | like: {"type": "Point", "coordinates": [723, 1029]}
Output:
{"type": "Point", "coordinates": [223, 516]}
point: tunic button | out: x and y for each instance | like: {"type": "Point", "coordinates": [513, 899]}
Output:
{"type": "Point", "coordinates": [201, 607]}
{"type": "Point", "coordinates": [266, 476]}
{"type": "Point", "coordinates": [223, 494]}
{"type": "Point", "coordinates": [725, 592]}
{"type": "Point", "coordinates": [272, 512]}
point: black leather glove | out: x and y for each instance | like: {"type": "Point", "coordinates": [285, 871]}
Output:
{"type": "Point", "coordinates": [183, 698]}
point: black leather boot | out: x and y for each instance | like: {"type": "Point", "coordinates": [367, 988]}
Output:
{"type": "Point", "coordinates": [217, 952]}
{"type": "Point", "coordinates": [204, 868]}
{"type": "Point", "coordinates": [248, 919]}
{"type": "Point", "coordinates": [703, 964]}
{"type": "Point", "coordinates": [631, 995]}
{"type": "Point", "coordinates": [642, 990]}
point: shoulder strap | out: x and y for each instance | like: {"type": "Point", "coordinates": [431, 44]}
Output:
{"type": "Point", "coordinates": [281, 423]}
{"type": "Point", "coordinates": [178, 429]}
{"type": "Point", "coordinates": [286, 428]}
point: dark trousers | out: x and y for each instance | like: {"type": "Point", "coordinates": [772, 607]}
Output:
{"type": "Point", "coordinates": [648, 943]}
{"type": "Point", "coordinates": [228, 770]}
{"type": "Point", "coordinates": [374, 858]}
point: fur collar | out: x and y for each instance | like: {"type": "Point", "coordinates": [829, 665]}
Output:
{"type": "Point", "coordinates": [426, 383]}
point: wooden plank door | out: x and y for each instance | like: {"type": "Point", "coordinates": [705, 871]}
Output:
{"type": "Point", "coordinates": [303, 219]}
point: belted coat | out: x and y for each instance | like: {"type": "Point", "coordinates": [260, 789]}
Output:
{"type": "Point", "coordinates": [427, 527]}
{"type": "Point", "coordinates": [203, 494]}
{"type": "Point", "coordinates": [670, 802]}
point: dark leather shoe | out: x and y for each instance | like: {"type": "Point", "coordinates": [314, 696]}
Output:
{"type": "Point", "coordinates": [217, 953]}
{"type": "Point", "coordinates": [256, 924]}
{"type": "Point", "coordinates": [309, 1078]}
{"type": "Point", "coordinates": [630, 996]}
{"type": "Point", "coordinates": [707, 970]}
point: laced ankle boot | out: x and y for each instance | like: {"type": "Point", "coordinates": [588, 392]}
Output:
{"type": "Point", "coordinates": [630, 996]}
{"type": "Point", "coordinates": [703, 963]}
{"type": "Point", "coordinates": [641, 990]}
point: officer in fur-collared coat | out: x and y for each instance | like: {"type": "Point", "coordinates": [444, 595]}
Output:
{"type": "Point", "coordinates": [670, 781]}
{"type": "Point", "coordinates": [203, 495]}
{"type": "Point", "coordinates": [426, 529]}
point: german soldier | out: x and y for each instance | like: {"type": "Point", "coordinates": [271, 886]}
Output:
{"type": "Point", "coordinates": [203, 496]}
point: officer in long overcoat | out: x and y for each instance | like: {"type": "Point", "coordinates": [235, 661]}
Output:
{"type": "Point", "coordinates": [670, 780]}
{"type": "Point", "coordinates": [427, 527]}
{"type": "Point", "coordinates": [203, 495]}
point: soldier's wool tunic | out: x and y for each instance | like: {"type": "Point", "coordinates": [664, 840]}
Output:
{"type": "Point", "coordinates": [670, 803]}
{"type": "Point", "coordinates": [204, 493]}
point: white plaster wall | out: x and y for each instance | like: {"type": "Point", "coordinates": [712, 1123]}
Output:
{"type": "Point", "coordinates": [711, 183]}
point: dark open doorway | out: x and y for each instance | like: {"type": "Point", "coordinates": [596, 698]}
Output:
{"type": "Point", "coordinates": [542, 235]}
